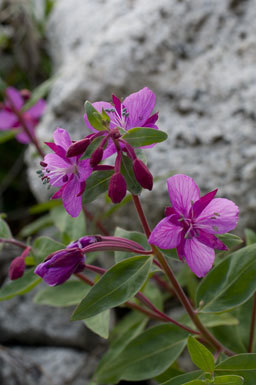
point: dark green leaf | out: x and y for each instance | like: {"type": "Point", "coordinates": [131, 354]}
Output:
{"type": "Point", "coordinates": [94, 116]}
{"type": "Point", "coordinates": [19, 286]}
{"type": "Point", "coordinates": [44, 246]}
{"type": "Point", "coordinates": [180, 380]}
{"type": "Point", "coordinates": [45, 206]}
{"type": "Point", "coordinates": [116, 286]}
{"type": "Point", "coordinates": [143, 136]}
{"type": "Point", "coordinates": [97, 184]}
{"type": "Point", "coordinates": [67, 294]}
{"type": "Point", "coordinates": [229, 380]}
{"type": "Point", "coordinates": [230, 240]}
{"type": "Point", "coordinates": [200, 355]}
{"type": "Point", "coordinates": [171, 253]}
{"type": "Point", "coordinates": [213, 320]}
{"type": "Point", "coordinates": [250, 237]}
{"type": "Point", "coordinates": [92, 147]}
{"type": "Point", "coordinates": [195, 382]}
{"type": "Point", "coordinates": [230, 283]}
{"type": "Point", "coordinates": [99, 323]}
{"type": "Point", "coordinates": [133, 236]}
{"type": "Point", "coordinates": [243, 365]}
{"type": "Point", "coordinates": [147, 355]}
{"type": "Point", "coordinates": [127, 170]}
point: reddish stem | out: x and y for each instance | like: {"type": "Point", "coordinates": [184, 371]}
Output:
{"type": "Point", "coordinates": [252, 328]}
{"type": "Point", "coordinates": [97, 222]}
{"type": "Point", "coordinates": [14, 242]}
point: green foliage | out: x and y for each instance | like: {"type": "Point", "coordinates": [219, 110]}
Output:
{"type": "Point", "coordinates": [243, 365]}
{"type": "Point", "coordinates": [183, 378]}
{"type": "Point", "coordinates": [144, 136]}
{"type": "Point", "coordinates": [97, 184]}
{"type": "Point", "coordinates": [68, 294]}
{"type": "Point", "coordinates": [7, 135]}
{"type": "Point", "coordinates": [5, 231]}
{"type": "Point", "coordinates": [19, 286]}
{"type": "Point", "coordinates": [250, 237]}
{"type": "Point", "coordinates": [200, 355]}
{"type": "Point", "coordinates": [92, 147]}
{"type": "Point", "coordinates": [228, 380]}
{"type": "Point", "coordinates": [127, 170]}
{"type": "Point", "coordinates": [230, 283]}
{"type": "Point", "coordinates": [44, 246]}
{"type": "Point", "coordinates": [99, 323]}
{"type": "Point", "coordinates": [35, 226]}
{"type": "Point", "coordinates": [116, 286]}
{"type": "Point", "coordinates": [230, 240]}
{"type": "Point", "coordinates": [158, 348]}
{"type": "Point", "coordinates": [133, 236]}
{"type": "Point", "coordinates": [94, 117]}
{"type": "Point", "coordinates": [38, 93]}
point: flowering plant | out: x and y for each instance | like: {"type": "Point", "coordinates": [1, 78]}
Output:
{"type": "Point", "coordinates": [142, 276]}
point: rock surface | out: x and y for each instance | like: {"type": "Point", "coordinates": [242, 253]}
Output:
{"type": "Point", "coordinates": [199, 58]}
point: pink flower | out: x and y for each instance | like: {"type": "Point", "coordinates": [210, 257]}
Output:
{"type": "Point", "coordinates": [69, 174]}
{"type": "Point", "coordinates": [12, 116]}
{"type": "Point", "coordinates": [192, 222]}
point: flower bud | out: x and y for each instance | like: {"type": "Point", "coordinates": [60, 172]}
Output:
{"type": "Point", "coordinates": [84, 241]}
{"type": "Point", "coordinates": [96, 157]}
{"type": "Point", "coordinates": [17, 268]}
{"type": "Point", "coordinates": [78, 147]}
{"type": "Point", "coordinates": [142, 174]}
{"type": "Point", "coordinates": [117, 188]}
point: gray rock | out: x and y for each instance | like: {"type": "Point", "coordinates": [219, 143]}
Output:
{"type": "Point", "coordinates": [44, 366]}
{"type": "Point", "coordinates": [198, 57]}
{"type": "Point", "coordinates": [27, 323]}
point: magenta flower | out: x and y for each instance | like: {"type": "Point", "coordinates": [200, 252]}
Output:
{"type": "Point", "coordinates": [59, 266]}
{"type": "Point", "coordinates": [69, 174]}
{"type": "Point", "coordinates": [12, 116]}
{"type": "Point", "coordinates": [192, 222]}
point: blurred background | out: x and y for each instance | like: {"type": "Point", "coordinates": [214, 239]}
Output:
{"type": "Point", "coordinates": [198, 57]}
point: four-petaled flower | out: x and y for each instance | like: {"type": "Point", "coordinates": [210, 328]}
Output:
{"type": "Point", "coordinates": [12, 116]}
{"type": "Point", "coordinates": [192, 222]}
{"type": "Point", "coordinates": [59, 267]}
{"type": "Point", "coordinates": [69, 174]}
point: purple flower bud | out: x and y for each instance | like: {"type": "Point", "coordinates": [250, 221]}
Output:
{"type": "Point", "coordinates": [117, 188]}
{"type": "Point", "coordinates": [78, 147]}
{"type": "Point", "coordinates": [142, 174]}
{"type": "Point", "coordinates": [84, 241]}
{"type": "Point", "coordinates": [96, 156]}
{"type": "Point", "coordinates": [17, 268]}
{"type": "Point", "coordinates": [60, 266]}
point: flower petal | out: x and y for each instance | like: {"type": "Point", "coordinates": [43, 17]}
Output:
{"type": "Point", "coordinates": [72, 202]}
{"type": "Point", "coordinates": [7, 120]}
{"type": "Point", "coordinates": [220, 216]}
{"type": "Point", "coordinates": [211, 241]}
{"type": "Point", "coordinates": [139, 106]}
{"type": "Point", "coordinates": [98, 106]}
{"type": "Point", "coordinates": [165, 235]}
{"type": "Point", "coordinates": [201, 204]}
{"type": "Point", "coordinates": [37, 110]}
{"type": "Point", "coordinates": [198, 256]}
{"type": "Point", "coordinates": [182, 192]}
{"type": "Point", "coordinates": [84, 169]}
{"type": "Point", "coordinates": [61, 138]}
{"type": "Point", "coordinates": [15, 97]}
{"type": "Point", "coordinates": [22, 136]}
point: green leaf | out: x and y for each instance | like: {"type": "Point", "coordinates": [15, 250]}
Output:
{"type": "Point", "coordinates": [115, 287]}
{"type": "Point", "coordinates": [230, 240]}
{"type": "Point", "coordinates": [7, 135]}
{"type": "Point", "coordinates": [200, 355]}
{"type": "Point", "coordinates": [118, 345]}
{"type": "Point", "coordinates": [180, 380]}
{"type": "Point", "coordinates": [45, 206]}
{"type": "Point", "coordinates": [71, 228]}
{"type": "Point", "coordinates": [20, 286]}
{"type": "Point", "coordinates": [250, 237]}
{"type": "Point", "coordinates": [38, 93]}
{"type": "Point", "coordinates": [94, 117]}
{"type": "Point", "coordinates": [243, 365]}
{"type": "Point", "coordinates": [36, 225]}
{"type": "Point", "coordinates": [213, 320]}
{"type": "Point", "coordinates": [97, 184]}
{"type": "Point", "coordinates": [92, 147]}
{"type": "Point", "coordinates": [147, 355]}
{"type": "Point", "coordinates": [229, 380]}
{"type": "Point", "coordinates": [143, 136]}
{"type": "Point", "coordinates": [195, 382]}
{"type": "Point", "coordinates": [68, 294]}
{"type": "Point", "coordinates": [99, 323]}
{"type": "Point", "coordinates": [133, 236]}
{"type": "Point", "coordinates": [116, 207]}
{"type": "Point", "coordinates": [5, 231]}
{"type": "Point", "coordinates": [230, 283]}
{"type": "Point", "coordinates": [127, 170]}
{"type": "Point", "coordinates": [44, 246]}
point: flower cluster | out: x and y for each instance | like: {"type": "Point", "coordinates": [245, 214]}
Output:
{"type": "Point", "coordinates": [12, 115]}
{"type": "Point", "coordinates": [65, 168]}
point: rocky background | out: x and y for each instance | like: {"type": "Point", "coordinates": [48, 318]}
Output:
{"type": "Point", "coordinates": [199, 57]}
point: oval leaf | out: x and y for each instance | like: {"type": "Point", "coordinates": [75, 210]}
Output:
{"type": "Point", "coordinates": [143, 136]}
{"type": "Point", "coordinates": [5, 231]}
{"type": "Point", "coordinates": [115, 287]}
{"type": "Point", "coordinates": [195, 382]}
{"type": "Point", "coordinates": [200, 355]}
{"type": "Point", "coordinates": [99, 323]}
{"type": "Point", "coordinates": [230, 283]}
{"type": "Point", "coordinates": [243, 365]}
{"type": "Point", "coordinates": [158, 348]}
{"type": "Point", "coordinates": [229, 380]}
{"type": "Point", "coordinates": [97, 184]}
{"type": "Point", "coordinates": [127, 170]}
{"type": "Point", "coordinates": [94, 116]}
{"type": "Point", "coordinates": [180, 380]}
{"type": "Point", "coordinates": [20, 286]}
{"type": "Point", "coordinates": [44, 246]}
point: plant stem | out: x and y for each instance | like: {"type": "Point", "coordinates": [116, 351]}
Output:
{"type": "Point", "coordinates": [176, 286]}
{"type": "Point", "coordinates": [97, 222]}
{"type": "Point", "coordinates": [14, 242]}
{"type": "Point", "coordinates": [84, 279]}
{"type": "Point", "coordinates": [252, 329]}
